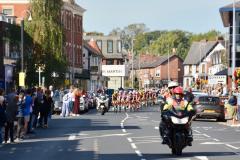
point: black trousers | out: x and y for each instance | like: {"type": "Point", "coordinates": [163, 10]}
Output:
{"type": "Point", "coordinates": [9, 130]}
{"type": "Point", "coordinates": [43, 117]}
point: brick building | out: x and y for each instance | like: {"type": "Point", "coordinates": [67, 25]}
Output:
{"type": "Point", "coordinates": [152, 71]}
{"type": "Point", "coordinates": [72, 19]}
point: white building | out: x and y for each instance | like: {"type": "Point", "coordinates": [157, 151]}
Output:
{"type": "Point", "coordinates": [204, 58]}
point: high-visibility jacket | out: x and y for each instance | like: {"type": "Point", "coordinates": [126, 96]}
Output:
{"type": "Point", "coordinates": [177, 105]}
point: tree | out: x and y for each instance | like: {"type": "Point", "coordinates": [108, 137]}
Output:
{"type": "Point", "coordinates": [144, 40]}
{"type": "Point", "coordinates": [94, 33]}
{"type": "Point", "coordinates": [168, 41]}
{"type": "Point", "coordinates": [129, 32]}
{"type": "Point", "coordinates": [47, 37]}
{"type": "Point", "coordinates": [210, 36]}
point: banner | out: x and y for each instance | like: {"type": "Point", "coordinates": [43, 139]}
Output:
{"type": "Point", "coordinates": [22, 79]}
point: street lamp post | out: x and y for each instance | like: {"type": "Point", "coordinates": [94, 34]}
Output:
{"type": "Point", "coordinates": [22, 74]}
{"type": "Point", "coordinates": [234, 45]}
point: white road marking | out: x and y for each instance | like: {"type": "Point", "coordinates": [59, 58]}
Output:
{"type": "Point", "coordinates": [138, 153]}
{"type": "Point", "coordinates": [157, 128]}
{"type": "Point", "coordinates": [133, 146]}
{"type": "Point", "coordinates": [124, 130]}
{"type": "Point", "coordinates": [231, 146]}
{"type": "Point", "coordinates": [96, 149]}
{"type": "Point", "coordinates": [221, 143]}
{"type": "Point", "coordinates": [206, 135]}
{"type": "Point", "coordinates": [197, 131]}
{"type": "Point", "coordinates": [72, 137]}
{"type": "Point", "coordinates": [216, 139]}
{"type": "Point", "coordinates": [212, 143]}
{"type": "Point", "coordinates": [82, 134]}
{"type": "Point", "coordinates": [201, 157]}
{"type": "Point", "coordinates": [130, 140]}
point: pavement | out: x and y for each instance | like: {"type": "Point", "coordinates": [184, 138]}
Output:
{"type": "Point", "coordinates": [122, 136]}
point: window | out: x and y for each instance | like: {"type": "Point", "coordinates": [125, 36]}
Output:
{"type": "Point", "coordinates": [110, 46]}
{"type": "Point", "coordinates": [7, 12]}
{"type": "Point", "coordinates": [99, 43]}
{"type": "Point", "coordinates": [119, 46]}
{"type": "Point", "coordinates": [157, 73]}
{"type": "Point", "coordinates": [109, 62]}
{"type": "Point", "coordinates": [203, 68]}
{"type": "Point", "coordinates": [197, 69]}
{"type": "Point", "coordinates": [190, 69]}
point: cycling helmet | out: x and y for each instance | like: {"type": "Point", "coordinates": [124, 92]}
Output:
{"type": "Point", "coordinates": [178, 90]}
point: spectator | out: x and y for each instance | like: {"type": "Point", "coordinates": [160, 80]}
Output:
{"type": "Point", "coordinates": [225, 90]}
{"type": "Point", "coordinates": [45, 109]}
{"type": "Point", "coordinates": [20, 116]}
{"type": "Point", "coordinates": [67, 98]}
{"type": "Point", "coordinates": [30, 123]}
{"type": "Point", "coordinates": [27, 109]}
{"type": "Point", "coordinates": [11, 111]}
{"type": "Point", "coordinates": [77, 95]}
{"type": "Point", "coordinates": [189, 96]}
{"type": "Point", "coordinates": [38, 102]}
{"type": "Point", "coordinates": [232, 107]}
{"type": "Point", "coordinates": [2, 114]}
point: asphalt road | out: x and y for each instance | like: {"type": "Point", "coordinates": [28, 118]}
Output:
{"type": "Point", "coordinates": [121, 136]}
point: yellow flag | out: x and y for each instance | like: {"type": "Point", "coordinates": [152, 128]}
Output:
{"type": "Point", "coordinates": [22, 79]}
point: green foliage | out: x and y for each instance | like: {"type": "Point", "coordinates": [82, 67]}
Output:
{"type": "Point", "coordinates": [47, 37]}
{"type": "Point", "coordinates": [94, 33]}
{"type": "Point", "coordinates": [178, 40]}
{"type": "Point", "coordinates": [210, 35]}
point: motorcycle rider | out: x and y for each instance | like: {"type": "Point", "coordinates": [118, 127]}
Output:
{"type": "Point", "coordinates": [175, 101]}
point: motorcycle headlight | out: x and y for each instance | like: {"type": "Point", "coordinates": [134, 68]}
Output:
{"type": "Point", "coordinates": [176, 120]}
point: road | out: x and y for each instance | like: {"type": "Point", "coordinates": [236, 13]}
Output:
{"type": "Point", "coordinates": [121, 136]}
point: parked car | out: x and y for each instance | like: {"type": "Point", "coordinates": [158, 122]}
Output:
{"type": "Point", "coordinates": [209, 107]}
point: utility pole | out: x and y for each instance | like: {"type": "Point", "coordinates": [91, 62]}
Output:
{"type": "Point", "coordinates": [234, 45]}
{"type": "Point", "coordinates": [168, 64]}
{"type": "Point", "coordinates": [132, 64]}
{"type": "Point", "coordinates": [22, 42]}
{"type": "Point", "coordinates": [139, 68]}
{"type": "Point", "coordinates": [73, 51]}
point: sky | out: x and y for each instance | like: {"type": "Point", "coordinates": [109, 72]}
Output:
{"type": "Point", "coordinates": [196, 16]}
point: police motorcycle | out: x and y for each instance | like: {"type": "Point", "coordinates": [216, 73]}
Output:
{"type": "Point", "coordinates": [177, 129]}
{"type": "Point", "coordinates": [102, 103]}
